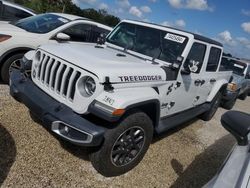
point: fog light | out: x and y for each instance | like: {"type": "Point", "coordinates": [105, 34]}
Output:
{"type": "Point", "coordinates": [66, 129]}
{"type": "Point", "coordinates": [71, 133]}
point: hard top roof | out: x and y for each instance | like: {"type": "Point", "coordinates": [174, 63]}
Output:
{"type": "Point", "coordinates": [237, 59]}
{"type": "Point", "coordinates": [196, 36]}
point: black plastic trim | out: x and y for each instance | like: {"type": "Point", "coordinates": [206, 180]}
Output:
{"type": "Point", "coordinates": [152, 101]}
{"type": "Point", "coordinates": [173, 120]}
{"type": "Point", "coordinates": [48, 110]}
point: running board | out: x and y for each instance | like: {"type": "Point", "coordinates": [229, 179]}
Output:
{"type": "Point", "coordinates": [172, 121]}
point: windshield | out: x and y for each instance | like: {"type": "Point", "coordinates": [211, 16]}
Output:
{"type": "Point", "coordinates": [228, 64]}
{"type": "Point", "coordinates": [42, 23]}
{"type": "Point", "coordinates": [148, 41]}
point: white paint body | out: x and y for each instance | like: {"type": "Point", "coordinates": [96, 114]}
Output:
{"type": "Point", "coordinates": [100, 63]}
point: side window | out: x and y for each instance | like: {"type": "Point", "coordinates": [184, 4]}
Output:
{"type": "Point", "coordinates": [196, 57]}
{"type": "Point", "coordinates": [214, 59]}
{"type": "Point", "coordinates": [11, 13]}
{"type": "Point", "coordinates": [96, 32]}
{"type": "Point", "coordinates": [79, 32]}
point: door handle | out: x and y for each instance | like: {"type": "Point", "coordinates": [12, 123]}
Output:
{"type": "Point", "coordinates": [212, 80]}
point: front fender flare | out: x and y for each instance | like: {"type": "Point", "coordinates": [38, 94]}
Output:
{"type": "Point", "coordinates": [127, 99]}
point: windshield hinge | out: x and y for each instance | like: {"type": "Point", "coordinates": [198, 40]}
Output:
{"type": "Point", "coordinates": [107, 85]}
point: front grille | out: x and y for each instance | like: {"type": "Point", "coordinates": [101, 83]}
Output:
{"type": "Point", "coordinates": [57, 76]}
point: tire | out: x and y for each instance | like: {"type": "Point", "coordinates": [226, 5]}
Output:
{"type": "Point", "coordinates": [243, 96]}
{"type": "Point", "coordinates": [112, 159]}
{"type": "Point", "coordinates": [228, 105]}
{"type": "Point", "coordinates": [12, 61]}
{"type": "Point", "coordinates": [208, 115]}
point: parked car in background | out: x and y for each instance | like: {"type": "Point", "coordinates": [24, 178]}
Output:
{"type": "Point", "coordinates": [16, 38]}
{"type": "Point", "coordinates": [235, 171]}
{"type": "Point", "coordinates": [144, 79]}
{"type": "Point", "coordinates": [239, 86]}
{"type": "Point", "coordinates": [13, 12]}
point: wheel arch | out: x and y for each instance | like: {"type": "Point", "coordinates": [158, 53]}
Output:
{"type": "Point", "coordinates": [150, 107]}
{"type": "Point", "coordinates": [145, 99]}
{"type": "Point", "coordinates": [11, 52]}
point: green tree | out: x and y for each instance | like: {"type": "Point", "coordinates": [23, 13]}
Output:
{"type": "Point", "coordinates": [66, 6]}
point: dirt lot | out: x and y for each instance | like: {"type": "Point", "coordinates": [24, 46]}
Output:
{"type": "Point", "coordinates": [32, 157]}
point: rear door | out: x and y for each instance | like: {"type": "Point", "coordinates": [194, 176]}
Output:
{"type": "Point", "coordinates": [209, 74]}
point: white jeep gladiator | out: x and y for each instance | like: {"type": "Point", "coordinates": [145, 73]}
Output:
{"type": "Point", "coordinates": [115, 95]}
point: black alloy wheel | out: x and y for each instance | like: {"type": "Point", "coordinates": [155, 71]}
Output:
{"type": "Point", "coordinates": [127, 146]}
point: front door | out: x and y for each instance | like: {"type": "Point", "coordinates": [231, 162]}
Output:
{"type": "Point", "coordinates": [182, 94]}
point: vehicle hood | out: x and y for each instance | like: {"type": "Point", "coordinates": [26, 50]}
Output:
{"type": "Point", "coordinates": [107, 62]}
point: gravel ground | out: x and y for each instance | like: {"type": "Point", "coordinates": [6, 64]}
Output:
{"type": "Point", "coordinates": [31, 157]}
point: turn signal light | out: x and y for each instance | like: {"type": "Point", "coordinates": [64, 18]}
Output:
{"type": "Point", "coordinates": [118, 112]}
{"type": "Point", "coordinates": [4, 37]}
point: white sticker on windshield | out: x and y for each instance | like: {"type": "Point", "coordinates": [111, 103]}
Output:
{"type": "Point", "coordinates": [239, 66]}
{"type": "Point", "coordinates": [174, 38]}
{"type": "Point", "coordinates": [63, 20]}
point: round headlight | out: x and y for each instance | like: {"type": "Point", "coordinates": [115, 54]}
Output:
{"type": "Point", "coordinates": [88, 86]}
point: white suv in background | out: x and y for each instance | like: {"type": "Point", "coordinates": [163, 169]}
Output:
{"type": "Point", "coordinates": [16, 38]}
{"type": "Point", "coordinates": [12, 12]}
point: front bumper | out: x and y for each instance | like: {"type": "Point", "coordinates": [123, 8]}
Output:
{"type": "Point", "coordinates": [59, 118]}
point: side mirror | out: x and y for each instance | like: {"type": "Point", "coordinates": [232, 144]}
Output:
{"type": "Point", "coordinates": [62, 37]}
{"type": "Point", "coordinates": [101, 39]}
{"type": "Point", "coordinates": [237, 124]}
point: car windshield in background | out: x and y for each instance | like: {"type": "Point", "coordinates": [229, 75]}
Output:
{"type": "Point", "coordinates": [151, 42]}
{"type": "Point", "coordinates": [43, 23]}
{"type": "Point", "coordinates": [232, 65]}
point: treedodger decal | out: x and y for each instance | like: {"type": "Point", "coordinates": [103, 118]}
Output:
{"type": "Point", "coordinates": [140, 78]}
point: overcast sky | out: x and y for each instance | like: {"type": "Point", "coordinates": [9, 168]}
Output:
{"type": "Point", "coordinates": [227, 21]}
